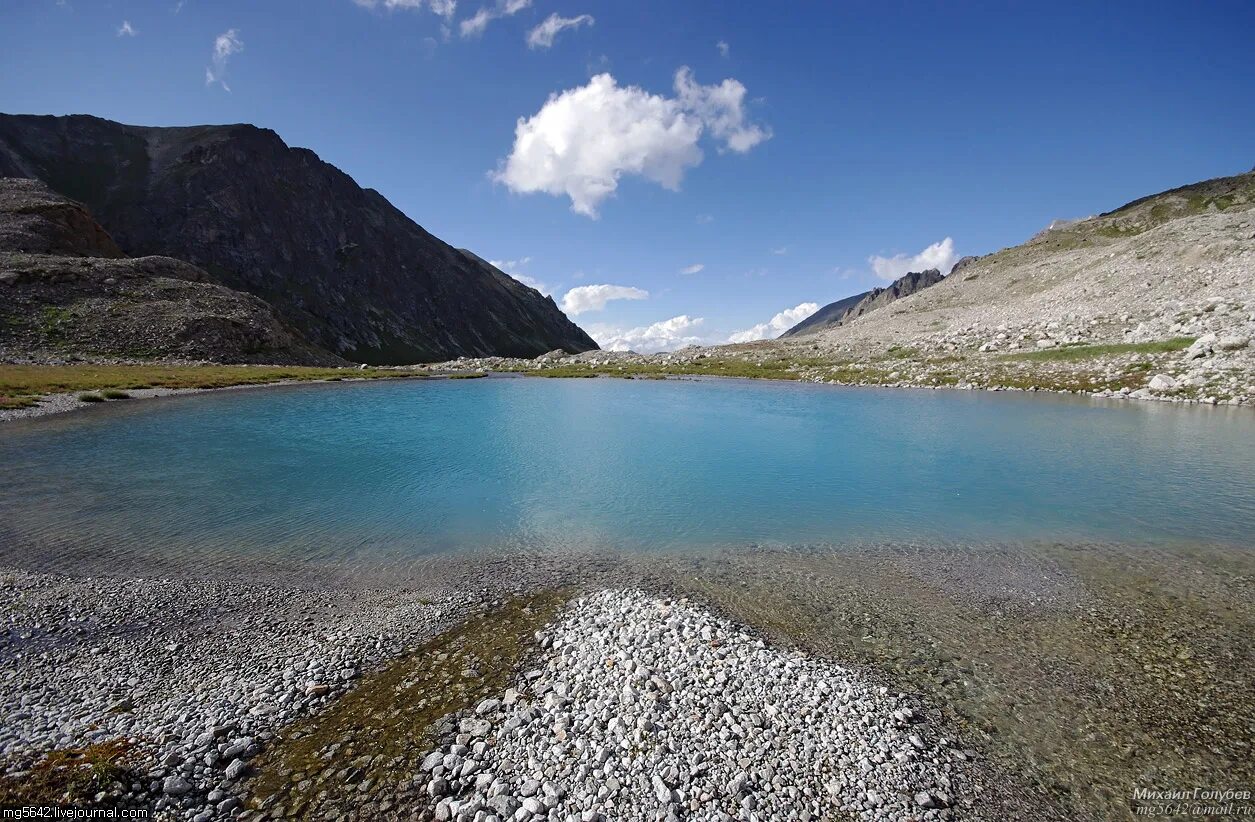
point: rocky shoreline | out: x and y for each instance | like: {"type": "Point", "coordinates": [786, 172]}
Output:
{"type": "Point", "coordinates": [194, 677]}
{"type": "Point", "coordinates": [622, 694]}
{"type": "Point", "coordinates": [872, 683]}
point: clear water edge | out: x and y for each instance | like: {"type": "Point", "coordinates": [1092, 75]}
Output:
{"type": "Point", "coordinates": [385, 473]}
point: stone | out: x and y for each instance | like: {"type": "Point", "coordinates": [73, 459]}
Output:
{"type": "Point", "coordinates": [236, 769]}
{"type": "Point", "coordinates": [175, 786]}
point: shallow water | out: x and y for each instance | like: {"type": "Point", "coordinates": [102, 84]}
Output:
{"type": "Point", "coordinates": [381, 472]}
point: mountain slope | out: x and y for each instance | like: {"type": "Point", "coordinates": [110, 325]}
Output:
{"type": "Point", "coordinates": [67, 292]}
{"type": "Point", "coordinates": [339, 263]}
{"type": "Point", "coordinates": [1134, 274]}
{"type": "Point", "coordinates": [842, 311]}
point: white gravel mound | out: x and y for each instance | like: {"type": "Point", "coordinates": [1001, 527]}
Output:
{"type": "Point", "coordinates": [645, 708]}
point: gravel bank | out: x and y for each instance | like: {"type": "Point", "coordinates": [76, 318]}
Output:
{"type": "Point", "coordinates": [645, 708]}
{"type": "Point", "coordinates": [631, 707]}
{"type": "Point", "coordinates": [199, 675]}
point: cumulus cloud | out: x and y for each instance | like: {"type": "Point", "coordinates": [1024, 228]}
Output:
{"type": "Point", "coordinates": [225, 45]}
{"type": "Point", "coordinates": [474, 25]}
{"type": "Point", "coordinates": [940, 256]}
{"type": "Point", "coordinates": [594, 297]}
{"type": "Point", "coordinates": [126, 29]}
{"type": "Point", "coordinates": [444, 8]}
{"type": "Point", "coordinates": [777, 325]}
{"type": "Point", "coordinates": [724, 48]}
{"type": "Point", "coordinates": [692, 269]}
{"type": "Point", "coordinates": [666, 335]}
{"type": "Point", "coordinates": [583, 140]}
{"type": "Point", "coordinates": [542, 36]}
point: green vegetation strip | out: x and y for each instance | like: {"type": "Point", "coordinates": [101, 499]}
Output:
{"type": "Point", "coordinates": [1083, 352]}
{"type": "Point", "coordinates": [72, 776]}
{"type": "Point", "coordinates": [22, 385]}
{"type": "Point", "coordinates": [377, 734]}
{"type": "Point", "coordinates": [766, 368]}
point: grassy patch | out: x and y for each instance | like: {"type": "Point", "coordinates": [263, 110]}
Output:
{"type": "Point", "coordinates": [470, 375]}
{"type": "Point", "coordinates": [73, 775]}
{"type": "Point", "coordinates": [114, 394]}
{"type": "Point", "coordinates": [379, 732]}
{"type": "Point", "coordinates": [1082, 352]}
{"type": "Point", "coordinates": [90, 398]}
{"type": "Point", "coordinates": [899, 352]}
{"type": "Point", "coordinates": [9, 402]}
{"type": "Point", "coordinates": [20, 385]}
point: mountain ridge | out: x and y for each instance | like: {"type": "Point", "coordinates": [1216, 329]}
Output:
{"type": "Point", "coordinates": [849, 308]}
{"type": "Point", "coordinates": [336, 261]}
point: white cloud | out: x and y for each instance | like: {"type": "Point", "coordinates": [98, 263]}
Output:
{"type": "Point", "coordinates": [583, 140]}
{"type": "Point", "coordinates": [594, 297]}
{"type": "Point", "coordinates": [225, 45]}
{"type": "Point", "coordinates": [777, 325]}
{"type": "Point", "coordinates": [666, 335]}
{"type": "Point", "coordinates": [781, 251]}
{"type": "Point", "coordinates": [444, 8]}
{"type": "Point", "coordinates": [940, 256]}
{"type": "Point", "coordinates": [692, 269]}
{"type": "Point", "coordinates": [705, 219]}
{"type": "Point", "coordinates": [474, 26]}
{"type": "Point", "coordinates": [721, 109]}
{"type": "Point", "coordinates": [723, 47]}
{"type": "Point", "coordinates": [126, 29]}
{"type": "Point", "coordinates": [542, 36]}
{"type": "Point", "coordinates": [510, 266]}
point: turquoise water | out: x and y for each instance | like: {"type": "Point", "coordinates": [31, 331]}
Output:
{"type": "Point", "coordinates": [379, 471]}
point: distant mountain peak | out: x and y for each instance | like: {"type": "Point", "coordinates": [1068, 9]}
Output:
{"type": "Point", "coordinates": [850, 308]}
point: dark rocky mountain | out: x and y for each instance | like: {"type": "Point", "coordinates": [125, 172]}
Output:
{"type": "Point", "coordinates": [850, 308]}
{"type": "Point", "coordinates": [337, 262]}
{"type": "Point", "coordinates": [68, 293]}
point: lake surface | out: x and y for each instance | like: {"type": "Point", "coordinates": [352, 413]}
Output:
{"type": "Point", "coordinates": [382, 472]}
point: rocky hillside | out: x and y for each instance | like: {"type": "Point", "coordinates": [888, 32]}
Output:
{"type": "Point", "coordinates": [1157, 297]}
{"type": "Point", "coordinates": [68, 293]}
{"type": "Point", "coordinates": [843, 311]}
{"type": "Point", "coordinates": [337, 262]}
{"type": "Point", "coordinates": [1134, 274]}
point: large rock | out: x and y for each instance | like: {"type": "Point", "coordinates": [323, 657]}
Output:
{"type": "Point", "coordinates": [338, 262]}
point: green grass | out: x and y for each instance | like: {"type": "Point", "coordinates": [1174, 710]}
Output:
{"type": "Point", "coordinates": [899, 352]}
{"type": "Point", "coordinates": [393, 714]}
{"type": "Point", "coordinates": [1083, 352]}
{"type": "Point", "coordinates": [90, 398]}
{"type": "Point", "coordinates": [71, 775]}
{"type": "Point", "coordinates": [114, 394]}
{"type": "Point", "coordinates": [22, 385]}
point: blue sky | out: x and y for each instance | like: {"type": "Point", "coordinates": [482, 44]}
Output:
{"type": "Point", "coordinates": [817, 138]}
